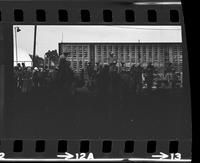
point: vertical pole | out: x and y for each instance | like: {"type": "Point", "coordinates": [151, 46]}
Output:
{"type": "Point", "coordinates": [16, 45]}
{"type": "Point", "coordinates": [139, 55]}
{"type": "Point", "coordinates": [62, 38]}
{"type": "Point", "coordinates": [34, 45]}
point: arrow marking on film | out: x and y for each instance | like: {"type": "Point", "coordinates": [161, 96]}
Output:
{"type": "Point", "coordinates": [161, 156]}
{"type": "Point", "coordinates": [66, 156]}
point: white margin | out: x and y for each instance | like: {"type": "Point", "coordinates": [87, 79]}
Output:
{"type": "Point", "coordinates": [100, 159]}
{"type": "Point", "coordinates": [157, 3]}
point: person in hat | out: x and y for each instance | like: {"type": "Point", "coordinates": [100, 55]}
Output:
{"type": "Point", "coordinates": [133, 74]}
{"type": "Point", "coordinates": [35, 77]}
{"type": "Point", "coordinates": [150, 70]}
{"type": "Point", "coordinates": [63, 57]}
{"type": "Point", "coordinates": [65, 74]}
{"type": "Point", "coordinates": [138, 78]}
{"type": "Point", "coordinates": [27, 80]}
{"type": "Point", "coordinates": [23, 66]}
{"type": "Point", "coordinates": [111, 58]}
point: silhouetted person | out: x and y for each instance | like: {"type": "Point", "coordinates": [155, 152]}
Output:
{"type": "Point", "coordinates": [138, 78]}
{"type": "Point", "coordinates": [123, 67]}
{"type": "Point", "coordinates": [114, 82]}
{"type": "Point", "coordinates": [41, 76]}
{"type": "Point", "coordinates": [35, 77]}
{"type": "Point", "coordinates": [103, 81]}
{"type": "Point", "coordinates": [19, 76]}
{"type": "Point", "coordinates": [65, 75]}
{"type": "Point", "coordinates": [79, 80]}
{"type": "Point", "coordinates": [169, 68]}
{"type": "Point", "coordinates": [27, 80]}
{"type": "Point", "coordinates": [15, 77]}
{"type": "Point", "coordinates": [150, 76]}
{"type": "Point", "coordinates": [90, 72]}
{"type": "Point", "coordinates": [133, 74]}
{"type": "Point", "coordinates": [19, 66]}
{"type": "Point", "coordinates": [169, 73]}
{"type": "Point", "coordinates": [125, 86]}
{"type": "Point", "coordinates": [23, 66]}
{"type": "Point", "coordinates": [174, 80]}
{"type": "Point", "coordinates": [63, 57]}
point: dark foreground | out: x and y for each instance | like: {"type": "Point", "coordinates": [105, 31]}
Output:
{"type": "Point", "coordinates": [42, 114]}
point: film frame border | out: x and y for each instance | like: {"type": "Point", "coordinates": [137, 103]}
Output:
{"type": "Point", "coordinates": [8, 18]}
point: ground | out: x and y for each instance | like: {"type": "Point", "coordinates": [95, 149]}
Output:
{"type": "Point", "coordinates": [157, 115]}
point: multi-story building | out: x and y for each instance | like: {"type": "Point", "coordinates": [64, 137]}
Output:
{"type": "Point", "coordinates": [159, 54]}
{"type": "Point", "coordinates": [79, 56]}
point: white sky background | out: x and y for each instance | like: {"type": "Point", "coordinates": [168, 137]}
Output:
{"type": "Point", "coordinates": [48, 37]}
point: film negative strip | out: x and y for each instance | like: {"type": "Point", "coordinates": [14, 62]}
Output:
{"type": "Point", "coordinates": [89, 80]}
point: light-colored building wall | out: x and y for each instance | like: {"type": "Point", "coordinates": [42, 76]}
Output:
{"type": "Point", "coordinates": [159, 54]}
{"type": "Point", "coordinates": [79, 55]}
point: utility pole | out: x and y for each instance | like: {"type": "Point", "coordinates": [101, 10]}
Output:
{"type": "Point", "coordinates": [62, 38]}
{"type": "Point", "coordinates": [16, 45]}
{"type": "Point", "coordinates": [34, 44]}
{"type": "Point", "coordinates": [16, 29]}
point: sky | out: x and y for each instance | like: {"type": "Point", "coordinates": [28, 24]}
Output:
{"type": "Point", "coordinates": [48, 36]}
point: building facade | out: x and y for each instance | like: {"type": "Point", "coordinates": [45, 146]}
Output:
{"type": "Point", "coordinates": [79, 55]}
{"type": "Point", "coordinates": [159, 54]}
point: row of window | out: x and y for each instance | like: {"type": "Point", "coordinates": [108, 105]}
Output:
{"type": "Point", "coordinates": [130, 46]}
{"type": "Point", "coordinates": [76, 47]}
{"type": "Point", "coordinates": [63, 15]}
{"type": "Point", "coordinates": [144, 60]}
{"type": "Point", "coordinates": [133, 53]}
{"type": "Point", "coordinates": [76, 56]}
{"type": "Point", "coordinates": [107, 145]}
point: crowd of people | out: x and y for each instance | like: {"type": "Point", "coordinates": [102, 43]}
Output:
{"type": "Point", "coordinates": [96, 79]}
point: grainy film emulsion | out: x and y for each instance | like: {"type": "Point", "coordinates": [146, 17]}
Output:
{"type": "Point", "coordinates": [92, 83]}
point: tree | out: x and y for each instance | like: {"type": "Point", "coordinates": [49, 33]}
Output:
{"type": "Point", "coordinates": [52, 56]}
{"type": "Point", "coordinates": [39, 61]}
